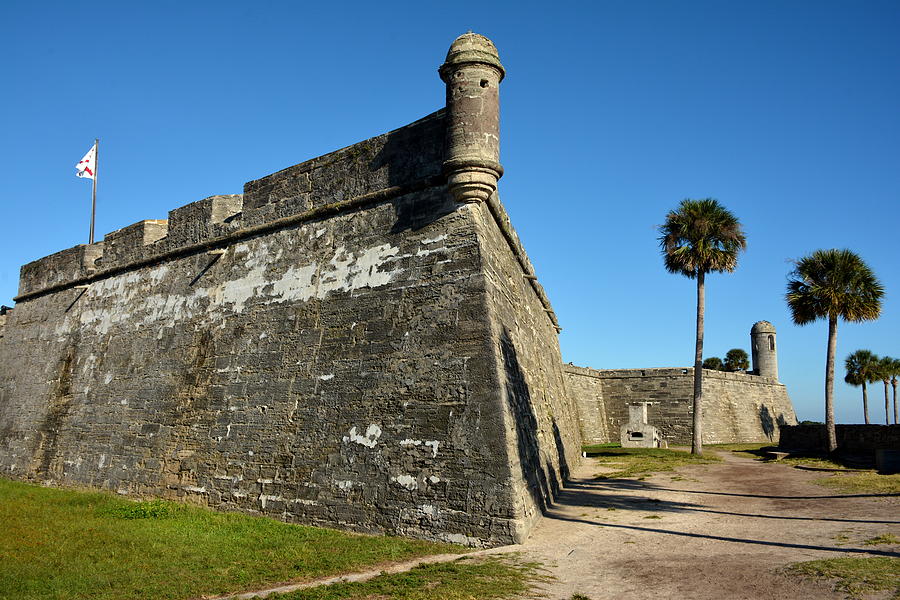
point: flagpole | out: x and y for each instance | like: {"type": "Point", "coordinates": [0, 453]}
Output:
{"type": "Point", "coordinates": [94, 193]}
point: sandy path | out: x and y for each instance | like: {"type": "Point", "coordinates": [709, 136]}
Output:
{"type": "Point", "coordinates": [716, 531]}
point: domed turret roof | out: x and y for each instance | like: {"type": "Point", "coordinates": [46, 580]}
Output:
{"type": "Point", "coordinates": [762, 327]}
{"type": "Point", "coordinates": [472, 48]}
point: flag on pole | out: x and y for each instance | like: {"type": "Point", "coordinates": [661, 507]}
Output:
{"type": "Point", "coordinates": [87, 166]}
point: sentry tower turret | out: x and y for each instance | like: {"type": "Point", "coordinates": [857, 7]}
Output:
{"type": "Point", "coordinates": [472, 72]}
{"type": "Point", "coordinates": [762, 343]}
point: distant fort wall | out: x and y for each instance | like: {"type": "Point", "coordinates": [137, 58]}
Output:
{"type": "Point", "coordinates": [737, 407]}
{"type": "Point", "coordinates": [355, 341]}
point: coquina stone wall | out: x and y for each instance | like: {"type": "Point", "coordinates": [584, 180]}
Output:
{"type": "Point", "coordinates": [737, 407]}
{"type": "Point", "coordinates": [343, 344]}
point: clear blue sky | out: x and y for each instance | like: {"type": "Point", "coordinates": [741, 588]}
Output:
{"type": "Point", "coordinates": [788, 112]}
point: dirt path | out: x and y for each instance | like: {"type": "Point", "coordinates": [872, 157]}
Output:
{"type": "Point", "coordinates": [716, 531]}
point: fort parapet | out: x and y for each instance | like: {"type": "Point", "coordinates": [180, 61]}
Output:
{"type": "Point", "coordinates": [355, 341]}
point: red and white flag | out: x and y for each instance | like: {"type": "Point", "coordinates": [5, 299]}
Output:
{"type": "Point", "coordinates": [87, 166]}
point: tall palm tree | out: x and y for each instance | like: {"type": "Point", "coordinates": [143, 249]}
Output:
{"type": "Point", "coordinates": [860, 368]}
{"type": "Point", "coordinates": [700, 237]}
{"type": "Point", "coordinates": [832, 284]}
{"type": "Point", "coordinates": [884, 370]}
{"type": "Point", "coordinates": [895, 371]}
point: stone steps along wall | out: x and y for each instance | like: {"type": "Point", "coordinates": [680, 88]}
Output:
{"type": "Point", "coordinates": [737, 407]}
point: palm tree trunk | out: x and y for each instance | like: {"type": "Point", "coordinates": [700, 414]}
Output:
{"type": "Point", "coordinates": [865, 402]}
{"type": "Point", "coordinates": [894, 385]}
{"type": "Point", "coordinates": [829, 383]}
{"type": "Point", "coordinates": [887, 404]}
{"type": "Point", "coordinates": [697, 438]}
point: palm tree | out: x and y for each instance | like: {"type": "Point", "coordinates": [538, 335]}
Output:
{"type": "Point", "coordinates": [700, 237]}
{"type": "Point", "coordinates": [860, 368]}
{"type": "Point", "coordinates": [884, 370]}
{"type": "Point", "coordinates": [832, 284]}
{"type": "Point", "coordinates": [737, 360]}
{"type": "Point", "coordinates": [714, 363]}
{"type": "Point", "coordinates": [895, 370]}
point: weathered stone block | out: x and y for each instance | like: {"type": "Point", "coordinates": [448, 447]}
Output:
{"type": "Point", "coordinates": [204, 219]}
{"type": "Point", "coordinates": [128, 244]}
{"type": "Point", "coordinates": [60, 268]}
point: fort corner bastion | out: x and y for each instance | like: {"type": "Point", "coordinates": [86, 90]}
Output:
{"type": "Point", "coordinates": [355, 341]}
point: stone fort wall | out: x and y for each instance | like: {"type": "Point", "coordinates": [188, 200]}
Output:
{"type": "Point", "coordinates": [344, 344]}
{"type": "Point", "coordinates": [737, 407]}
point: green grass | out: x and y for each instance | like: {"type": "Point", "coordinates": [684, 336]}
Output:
{"type": "Point", "coordinates": [464, 579]}
{"type": "Point", "coordinates": [855, 576]}
{"type": "Point", "coordinates": [638, 462]}
{"type": "Point", "coordinates": [65, 544]}
{"type": "Point", "coordinates": [862, 483]}
{"type": "Point", "coordinates": [884, 538]}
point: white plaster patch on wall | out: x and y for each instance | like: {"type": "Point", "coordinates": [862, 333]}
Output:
{"type": "Point", "coordinates": [344, 485]}
{"type": "Point", "coordinates": [439, 238]}
{"type": "Point", "coordinates": [295, 284]}
{"type": "Point", "coordinates": [434, 447]}
{"type": "Point", "coordinates": [427, 251]}
{"type": "Point", "coordinates": [407, 481]}
{"type": "Point", "coordinates": [434, 479]}
{"type": "Point", "coordinates": [102, 461]}
{"type": "Point", "coordinates": [264, 498]}
{"type": "Point", "coordinates": [373, 432]}
{"type": "Point", "coordinates": [347, 272]}
{"type": "Point", "coordinates": [428, 509]}
{"type": "Point", "coordinates": [107, 378]}
{"type": "Point", "coordinates": [129, 300]}
{"type": "Point", "coordinates": [158, 274]}
{"type": "Point", "coordinates": [326, 377]}
{"type": "Point", "coordinates": [433, 444]}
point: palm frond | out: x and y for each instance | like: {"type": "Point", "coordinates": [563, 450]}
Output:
{"type": "Point", "coordinates": [833, 283]}
{"type": "Point", "coordinates": [701, 235]}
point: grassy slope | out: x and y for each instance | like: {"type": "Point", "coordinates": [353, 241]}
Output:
{"type": "Point", "coordinates": [855, 576]}
{"type": "Point", "coordinates": [637, 462]}
{"type": "Point", "coordinates": [465, 579]}
{"type": "Point", "coordinates": [65, 544]}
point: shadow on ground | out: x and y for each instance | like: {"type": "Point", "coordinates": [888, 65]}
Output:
{"type": "Point", "coordinates": [625, 494]}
